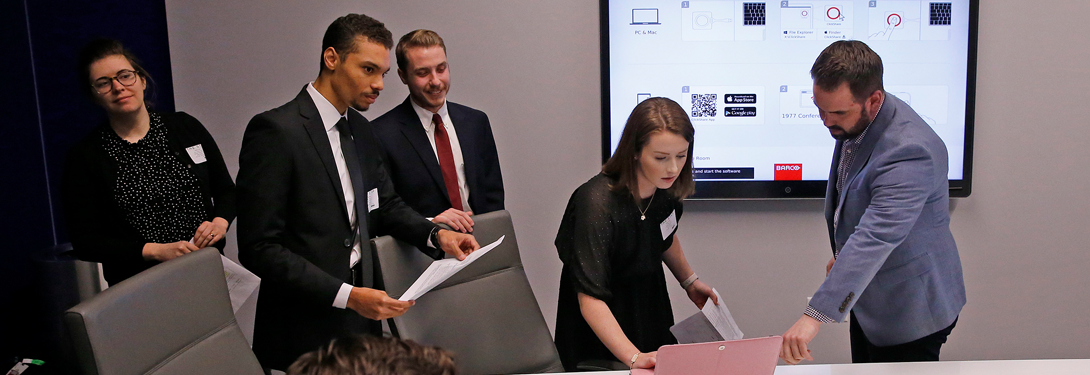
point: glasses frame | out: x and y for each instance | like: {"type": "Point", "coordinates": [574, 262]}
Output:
{"type": "Point", "coordinates": [117, 78]}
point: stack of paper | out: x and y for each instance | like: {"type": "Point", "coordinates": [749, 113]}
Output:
{"type": "Point", "coordinates": [441, 270]}
{"type": "Point", "coordinates": [712, 323]}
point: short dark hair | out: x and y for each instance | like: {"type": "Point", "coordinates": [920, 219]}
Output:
{"type": "Point", "coordinates": [416, 38]}
{"type": "Point", "coordinates": [651, 116]}
{"type": "Point", "coordinates": [849, 61]}
{"type": "Point", "coordinates": [342, 34]}
{"type": "Point", "coordinates": [100, 48]}
{"type": "Point", "coordinates": [373, 355]}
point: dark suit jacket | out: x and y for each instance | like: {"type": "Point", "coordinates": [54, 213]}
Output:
{"type": "Point", "coordinates": [99, 229]}
{"type": "Point", "coordinates": [415, 170]}
{"type": "Point", "coordinates": [898, 267]}
{"type": "Point", "coordinates": [294, 231]}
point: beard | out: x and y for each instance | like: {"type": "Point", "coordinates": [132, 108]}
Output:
{"type": "Point", "coordinates": [860, 125]}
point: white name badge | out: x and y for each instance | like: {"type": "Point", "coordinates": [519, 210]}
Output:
{"type": "Point", "coordinates": [668, 225]}
{"type": "Point", "coordinates": [372, 200]}
{"type": "Point", "coordinates": [196, 153]}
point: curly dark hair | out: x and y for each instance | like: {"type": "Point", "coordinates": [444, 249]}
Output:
{"type": "Point", "coordinates": [373, 355]}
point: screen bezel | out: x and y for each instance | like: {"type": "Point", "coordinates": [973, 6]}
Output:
{"type": "Point", "coordinates": [716, 190]}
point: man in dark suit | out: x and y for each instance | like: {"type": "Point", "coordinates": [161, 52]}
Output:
{"type": "Point", "coordinates": [312, 190]}
{"type": "Point", "coordinates": [895, 268]}
{"type": "Point", "coordinates": [441, 155]}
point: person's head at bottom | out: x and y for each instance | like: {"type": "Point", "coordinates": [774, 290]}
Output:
{"type": "Point", "coordinates": [372, 355]}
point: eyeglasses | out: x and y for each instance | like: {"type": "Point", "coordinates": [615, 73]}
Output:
{"type": "Point", "coordinates": [124, 77]}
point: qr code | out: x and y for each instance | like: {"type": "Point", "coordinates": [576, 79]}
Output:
{"type": "Point", "coordinates": [704, 105]}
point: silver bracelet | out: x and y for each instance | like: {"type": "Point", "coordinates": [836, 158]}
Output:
{"type": "Point", "coordinates": [692, 279]}
{"type": "Point", "coordinates": [632, 363]}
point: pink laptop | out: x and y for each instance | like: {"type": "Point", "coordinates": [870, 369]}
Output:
{"type": "Point", "coordinates": [740, 357]}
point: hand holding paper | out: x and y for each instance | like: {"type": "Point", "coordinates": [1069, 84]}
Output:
{"type": "Point", "coordinates": [457, 244]}
{"type": "Point", "coordinates": [441, 270]}
{"type": "Point", "coordinates": [713, 323]}
{"type": "Point", "coordinates": [700, 293]}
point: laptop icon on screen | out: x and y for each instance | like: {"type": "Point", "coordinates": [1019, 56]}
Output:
{"type": "Point", "coordinates": [645, 16]}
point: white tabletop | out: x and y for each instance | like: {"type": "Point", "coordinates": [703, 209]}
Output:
{"type": "Point", "coordinates": [1010, 367]}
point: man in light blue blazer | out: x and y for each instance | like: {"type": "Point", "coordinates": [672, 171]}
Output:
{"type": "Point", "coordinates": [895, 268]}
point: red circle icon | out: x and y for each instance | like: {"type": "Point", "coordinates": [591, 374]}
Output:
{"type": "Point", "coordinates": [805, 13]}
{"type": "Point", "coordinates": [894, 20]}
{"type": "Point", "coordinates": [833, 13]}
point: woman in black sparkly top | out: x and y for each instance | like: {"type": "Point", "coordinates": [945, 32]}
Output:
{"type": "Point", "coordinates": [145, 187]}
{"type": "Point", "coordinates": [617, 230]}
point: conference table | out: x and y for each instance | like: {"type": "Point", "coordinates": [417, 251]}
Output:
{"type": "Point", "coordinates": [1005, 367]}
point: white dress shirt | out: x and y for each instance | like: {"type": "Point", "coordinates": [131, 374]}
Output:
{"type": "Point", "coordinates": [330, 116]}
{"type": "Point", "coordinates": [455, 146]}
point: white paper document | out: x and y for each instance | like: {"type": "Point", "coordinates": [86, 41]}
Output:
{"type": "Point", "coordinates": [712, 323]}
{"type": "Point", "coordinates": [441, 270]}
{"type": "Point", "coordinates": [243, 287]}
{"type": "Point", "coordinates": [241, 283]}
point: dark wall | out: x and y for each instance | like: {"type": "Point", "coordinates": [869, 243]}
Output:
{"type": "Point", "coordinates": [44, 113]}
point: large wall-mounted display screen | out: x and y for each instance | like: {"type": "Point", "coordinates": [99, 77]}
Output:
{"type": "Point", "coordinates": [741, 69]}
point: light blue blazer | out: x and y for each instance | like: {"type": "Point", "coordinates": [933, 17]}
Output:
{"type": "Point", "coordinates": [898, 268]}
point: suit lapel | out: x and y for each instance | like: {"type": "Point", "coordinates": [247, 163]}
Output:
{"type": "Point", "coordinates": [414, 133]}
{"type": "Point", "coordinates": [863, 153]}
{"type": "Point", "coordinates": [832, 200]}
{"type": "Point", "coordinates": [466, 141]}
{"type": "Point", "coordinates": [312, 122]}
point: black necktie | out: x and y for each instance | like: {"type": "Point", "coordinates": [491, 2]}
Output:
{"type": "Point", "coordinates": [355, 173]}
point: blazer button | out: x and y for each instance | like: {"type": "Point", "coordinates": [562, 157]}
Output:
{"type": "Point", "coordinates": [842, 309]}
{"type": "Point", "coordinates": [347, 242]}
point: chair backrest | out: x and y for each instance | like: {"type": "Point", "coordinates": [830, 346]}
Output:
{"type": "Point", "coordinates": [174, 318]}
{"type": "Point", "coordinates": [486, 314]}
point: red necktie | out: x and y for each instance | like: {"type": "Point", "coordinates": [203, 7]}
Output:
{"type": "Point", "coordinates": [446, 162]}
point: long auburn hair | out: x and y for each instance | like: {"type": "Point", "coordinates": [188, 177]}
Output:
{"type": "Point", "coordinates": [650, 117]}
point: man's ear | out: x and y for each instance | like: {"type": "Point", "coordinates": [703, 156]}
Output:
{"type": "Point", "coordinates": [330, 58]}
{"type": "Point", "coordinates": [874, 101]}
{"type": "Point", "coordinates": [401, 74]}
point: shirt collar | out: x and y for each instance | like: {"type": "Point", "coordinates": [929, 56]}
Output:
{"type": "Point", "coordinates": [326, 110]}
{"type": "Point", "coordinates": [426, 115]}
{"type": "Point", "coordinates": [857, 139]}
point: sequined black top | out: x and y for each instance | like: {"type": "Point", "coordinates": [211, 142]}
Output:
{"type": "Point", "coordinates": [612, 255]}
{"type": "Point", "coordinates": [160, 196]}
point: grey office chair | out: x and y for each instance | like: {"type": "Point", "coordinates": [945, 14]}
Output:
{"type": "Point", "coordinates": [174, 318]}
{"type": "Point", "coordinates": [486, 314]}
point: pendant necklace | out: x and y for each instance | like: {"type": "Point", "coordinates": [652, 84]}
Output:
{"type": "Point", "coordinates": [644, 210]}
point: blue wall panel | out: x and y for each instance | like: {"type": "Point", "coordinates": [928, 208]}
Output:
{"type": "Point", "coordinates": [43, 114]}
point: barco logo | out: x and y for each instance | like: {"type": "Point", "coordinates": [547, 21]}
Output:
{"type": "Point", "coordinates": [788, 172]}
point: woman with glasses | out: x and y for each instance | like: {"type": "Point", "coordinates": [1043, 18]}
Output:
{"type": "Point", "coordinates": [145, 187]}
{"type": "Point", "coordinates": [617, 231]}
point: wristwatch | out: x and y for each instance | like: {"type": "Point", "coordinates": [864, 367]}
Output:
{"type": "Point", "coordinates": [433, 237]}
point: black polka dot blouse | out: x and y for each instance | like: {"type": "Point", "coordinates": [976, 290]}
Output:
{"type": "Point", "coordinates": [161, 198]}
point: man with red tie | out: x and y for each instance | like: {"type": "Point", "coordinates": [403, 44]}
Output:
{"type": "Point", "coordinates": [441, 155]}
